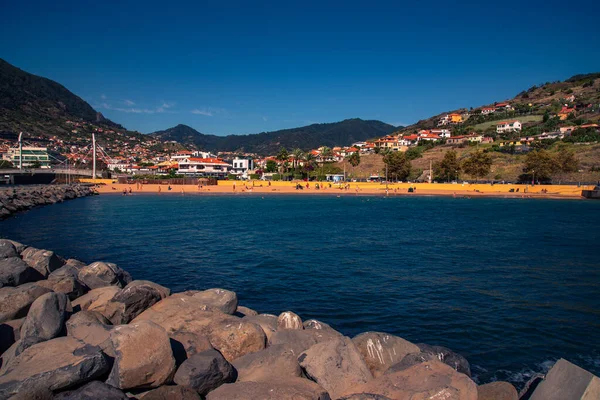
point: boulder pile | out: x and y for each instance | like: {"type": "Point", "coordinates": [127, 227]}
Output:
{"type": "Point", "coordinates": [74, 331]}
{"type": "Point", "coordinates": [23, 198]}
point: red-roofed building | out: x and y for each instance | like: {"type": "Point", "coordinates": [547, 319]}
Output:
{"type": "Point", "coordinates": [508, 126]}
{"type": "Point", "coordinates": [213, 167]}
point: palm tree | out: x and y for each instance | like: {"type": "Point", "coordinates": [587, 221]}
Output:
{"type": "Point", "coordinates": [298, 155]}
{"type": "Point", "coordinates": [309, 163]}
{"type": "Point", "coordinates": [325, 154]}
{"type": "Point", "coordinates": [282, 157]}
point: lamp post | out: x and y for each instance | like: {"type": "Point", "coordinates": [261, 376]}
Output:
{"type": "Point", "coordinates": [533, 178]}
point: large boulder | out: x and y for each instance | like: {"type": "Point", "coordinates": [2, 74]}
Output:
{"type": "Point", "coordinates": [186, 344]}
{"type": "Point", "coordinates": [497, 391]}
{"type": "Point", "coordinates": [44, 261]}
{"type": "Point", "coordinates": [242, 311]}
{"type": "Point", "coordinates": [221, 299]}
{"type": "Point", "coordinates": [336, 365]}
{"type": "Point", "coordinates": [318, 325]}
{"type": "Point", "coordinates": [91, 328]}
{"type": "Point", "coordinates": [64, 284]}
{"type": "Point", "coordinates": [428, 380]}
{"type": "Point", "coordinates": [291, 388]}
{"type": "Point", "coordinates": [381, 350]}
{"type": "Point", "coordinates": [410, 360]}
{"type": "Point", "coordinates": [171, 392]}
{"type": "Point", "coordinates": [71, 268]}
{"type": "Point", "coordinates": [300, 340]}
{"type": "Point", "coordinates": [100, 274]}
{"type": "Point", "coordinates": [131, 301]}
{"type": "Point", "coordinates": [267, 322]}
{"type": "Point", "coordinates": [273, 363]}
{"type": "Point", "coordinates": [54, 364]}
{"type": "Point", "coordinates": [15, 272]}
{"type": "Point", "coordinates": [7, 249]}
{"type": "Point", "coordinates": [46, 317]}
{"type": "Point", "coordinates": [289, 320]}
{"type": "Point", "coordinates": [448, 357]}
{"type": "Point", "coordinates": [204, 372]}
{"type": "Point", "coordinates": [18, 246]}
{"type": "Point", "coordinates": [566, 380]}
{"type": "Point", "coordinates": [94, 390]}
{"type": "Point", "coordinates": [232, 336]}
{"type": "Point", "coordinates": [15, 301]}
{"type": "Point", "coordinates": [96, 297]}
{"type": "Point", "coordinates": [143, 356]}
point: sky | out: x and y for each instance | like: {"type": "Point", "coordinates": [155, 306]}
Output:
{"type": "Point", "coordinates": [228, 67]}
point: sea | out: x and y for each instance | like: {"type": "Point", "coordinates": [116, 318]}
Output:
{"type": "Point", "coordinates": [511, 284]}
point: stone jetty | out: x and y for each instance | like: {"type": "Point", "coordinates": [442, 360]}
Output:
{"type": "Point", "coordinates": [71, 330]}
{"type": "Point", "coordinates": [14, 199]}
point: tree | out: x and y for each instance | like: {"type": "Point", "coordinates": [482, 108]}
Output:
{"type": "Point", "coordinates": [354, 159]}
{"type": "Point", "coordinates": [283, 157]}
{"type": "Point", "coordinates": [478, 164]}
{"type": "Point", "coordinates": [566, 160]}
{"type": "Point", "coordinates": [297, 154]}
{"type": "Point", "coordinates": [325, 154]}
{"type": "Point", "coordinates": [398, 165]}
{"type": "Point", "coordinates": [448, 168]}
{"type": "Point", "coordinates": [414, 152]}
{"type": "Point", "coordinates": [539, 166]}
{"type": "Point", "coordinates": [271, 166]}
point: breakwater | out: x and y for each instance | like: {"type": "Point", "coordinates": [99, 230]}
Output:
{"type": "Point", "coordinates": [14, 199]}
{"type": "Point", "coordinates": [71, 330]}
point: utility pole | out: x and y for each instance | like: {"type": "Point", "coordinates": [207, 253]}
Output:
{"type": "Point", "coordinates": [430, 170]}
{"type": "Point", "coordinates": [21, 150]}
{"type": "Point", "coordinates": [94, 156]}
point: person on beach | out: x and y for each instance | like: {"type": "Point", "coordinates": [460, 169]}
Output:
{"type": "Point", "coordinates": [169, 188]}
{"type": "Point", "coordinates": [234, 186]}
{"type": "Point", "coordinates": [269, 183]}
{"type": "Point", "coordinates": [129, 189]}
{"type": "Point", "coordinates": [159, 189]}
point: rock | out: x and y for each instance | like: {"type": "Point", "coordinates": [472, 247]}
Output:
{"type": "Point", "coordinates": [7, 249]}
{"type": "Point", "coordinates": [171, 393]}
{"type": "Point", "coordinates": [232, 336]}
{"type": "Point", "coordinates": [17, 348]}
{"type": "Point", "coordinates": [318, 325]}
{"type": "Point", "coordinates": [336, 365]}
{"type": "Point", "coordinates": [567, 381]}
{"type": "Point", "coordinates": [38, 393]}
{"type": "Point", "coordinates": [19, 247]}
{"type": "Point", "coordinates": [292, 388]}
{"type": "Point", "coordinates": [410, 360]}
{"type": "Point", "coordinates": [267, 322]}
{"type": "Point", "coordinates": [54, 364]}
{"type": "Point", "coordinates": [98, 297]}
{"type": "Point", "coordinates": [68, 285]}
{"type": "Point", "coordinates": [7, 337]}
{"type": "Point", "coordinates": [46, 317]}
{"type": "Point", "coordinates": [428, 380]}
{"type": "Point", "coordinates": [242, 311]}
{"type": "Point", "coordinates": [94, 390]}
{"type": "Point", "coordinates": [15, 301]}
{"type": "Point", "coordinates": [448, 357]}
{"type": "Point", "coordinates": [16, 325]}
{"type": "Point", "coordinates": [381, 350]}
{"type": "Point", "coordinates": [221, 299]}
{"type": "Point", "coordinates": [71, 268]}
{"type": "Point", "coordinates": [143, 356]}
{"type": "Point", "coordinates": [273, 363]}
{"type": "Point", "coordinates": [186, 344]}
{"type": "Point", "coordinates": [91, 329]}
{"type": "Point", "coordinates": [289, 320]}
{"type": "Point", "coordinates": [83, 317]}
{"type": "Point", "coordinates": [15, 272]}
{"type": "Point", "coordinates": [132, 300]}
{"type": "Point", "coordinates": [364, 396]}
{"type": "Point", "coordinates": [300, 340]}
{"type": "Point", "coordinates": [100, 274]}
{"type": "Point", "coordinates": [44, 261]}
{"type": "Point", "coordinates": [497, 391]}
{"type": "Point", "coordinates": [204, 372]}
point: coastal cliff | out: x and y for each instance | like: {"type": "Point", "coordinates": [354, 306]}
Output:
{"type": "Point", "coordinates": [23, 198]}
{"type": "Point", "coordinates": [69, 330]}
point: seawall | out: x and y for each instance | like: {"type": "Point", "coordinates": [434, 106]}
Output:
{"type": "Point", "coordinates": [14, 199]}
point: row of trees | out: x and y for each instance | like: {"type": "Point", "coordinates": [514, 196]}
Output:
{"type": "Point", "coordinates": [477, 164]}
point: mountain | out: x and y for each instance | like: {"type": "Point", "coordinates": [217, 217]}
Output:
{"type": "Point", "coordinates": [341, 133]}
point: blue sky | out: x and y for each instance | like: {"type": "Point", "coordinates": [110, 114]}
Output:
{"type": "Point", "coordinates": [246, 67]}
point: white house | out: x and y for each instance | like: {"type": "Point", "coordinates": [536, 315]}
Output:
{"type": "Point", "coordinates": [213, 167]}
{"type": "Point", "coordinates": [508, 126]}
{"type": "Point", "coordinates": [241, 166]}
{"type": "Point", "coordinates": [488, 110]}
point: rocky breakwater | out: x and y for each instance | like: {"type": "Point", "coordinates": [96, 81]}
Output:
{"type": "Point", "coordinates": [22, 198]}
{"type": "Point", "coordinates": [69, 330]}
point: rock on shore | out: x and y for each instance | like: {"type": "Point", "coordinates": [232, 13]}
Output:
{"type": "Point", "coordinates": [23, 198]}
{"type": "Point", "coordinates": [76, 331]}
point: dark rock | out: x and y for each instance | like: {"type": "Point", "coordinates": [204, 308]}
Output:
{"type": "Point", "coordinates": [171, 393]}
{"type": "Point", "coordinates": [186, 344]}
{"type": "Point", "coordinates": [44, 261]}
{"type": "Point", "coordinates": [204, 372]}
{"type": "Point", "coordinates": [15, 272]}
{"type": "Point", "coordinates": [448, 357]}
{"type": "Point", "coordinates": [18, 246]}
{"type": "Point", "coordinates": [143, 356]}
{"type": "Point", "coordinates": [37, 393]}
{"type": "Point", "coordinates": [289, 320]}
{"type": "Point", "coordinates": [7, 249]}
{"type": "Point", "coordinates": [292, 388]}
{"type": "Point", "coordinates": [300, 340]}
{"type": "Point", "coordinates": [46, 317]}
{"type": "Point", "coordinates": [7, 337]}
{"type": "Point", "coordinates": [54, 364]}
{"type": "Point", "coordinates": [71, 268]}
{"type": "Point", "coordinates": [336, 365]}
{"type": "Point", "coordinates": [410, 360]}
{"type": "Point", "coordinates": [132, 300]}
{"type": "Point", "coordinates": [497, 391]}
{"type": "Point", "coordinates": [16, 325]}
{"type": "Point", "coordinates": [15, 301]}
{"type": "Point", "coordinates": [68, 285]}
{"type": "Point", "coordinates": [91, 328]}
{"type": "Point", "coordinates": [381, 350]}
{"type": "Point", "coordinates": [94, 390]}
{"type": "Point", "coordinates": [100, 274]}
{"type": "Point", "coordinates": [17, 348]}
{"type": "Point", "coordinates": [273, 363]}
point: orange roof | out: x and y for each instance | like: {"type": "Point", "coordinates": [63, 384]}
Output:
{"type": "Point", "coordinates": [507, 122]}
{"type": "Point", "coordinates": [208, 160]}
{"type": "Point", "coordinates": [351, 150]}
{"type": "Point", "coordinates": [502, 104]}
{"type": "Point", "coordinates": [411, 137]}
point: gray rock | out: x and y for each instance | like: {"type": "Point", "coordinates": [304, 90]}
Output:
{"type": "Point", "coordinates": [410, 360]}
{"type": "Point", "coordinates": [15, 301]}
{"type": "Point", "coordinates": [71, 268]}
{"type": "Point", "coordinates": [204, 372]}
{"type": "Point", "coordinates": [336, 365]}
{"type": "Point", "coordinates": [100, 274]}
{"type": "Point", "coordinates": [381, 350]}
{"type": "Point", "coordinates": [448, 357]}
{"type": "Point", "coordinates": [273, 363]}
{"type": "Point", "coordinates": [171, 392]}
{"type": "Point", "coordinates": [55, 364]}
{"type": "Point", "coordinates": [34, 393]}
{"type": "Point", "coordinates": [289, 320]}
{"type": "Point", "coordinates": [7, 249]}
{"type": "Point", "coordinates": [300, 340]}
{"type": "Point", "coordinates": [132, 300]}
{"type": "Point", "coordinates": [185, 344]}
{"type": "Point", "coordinates": [68, 285]}
{"type": "Point", "coordinates": [94, 390]}
{"type": "Point", "coordinates": [318, 325]}
{"type": "Point", "coordinates": [46, 317]}
{"type": "Point", "coordinates": [292, 388]}
{"type": "Point", "coordinates": [44, 261]}
{"type": "Point", "coordinates": [18, 246]}
{"type": "Point", "coordinates": [15, 272]}
{"type": "Point", "coordinates": [90, 328]}
{"type": "Point", "coordinates": [566, 380]}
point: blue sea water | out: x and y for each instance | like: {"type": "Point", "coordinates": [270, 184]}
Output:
{"type": "Point", "coordinates": [512, 284]}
